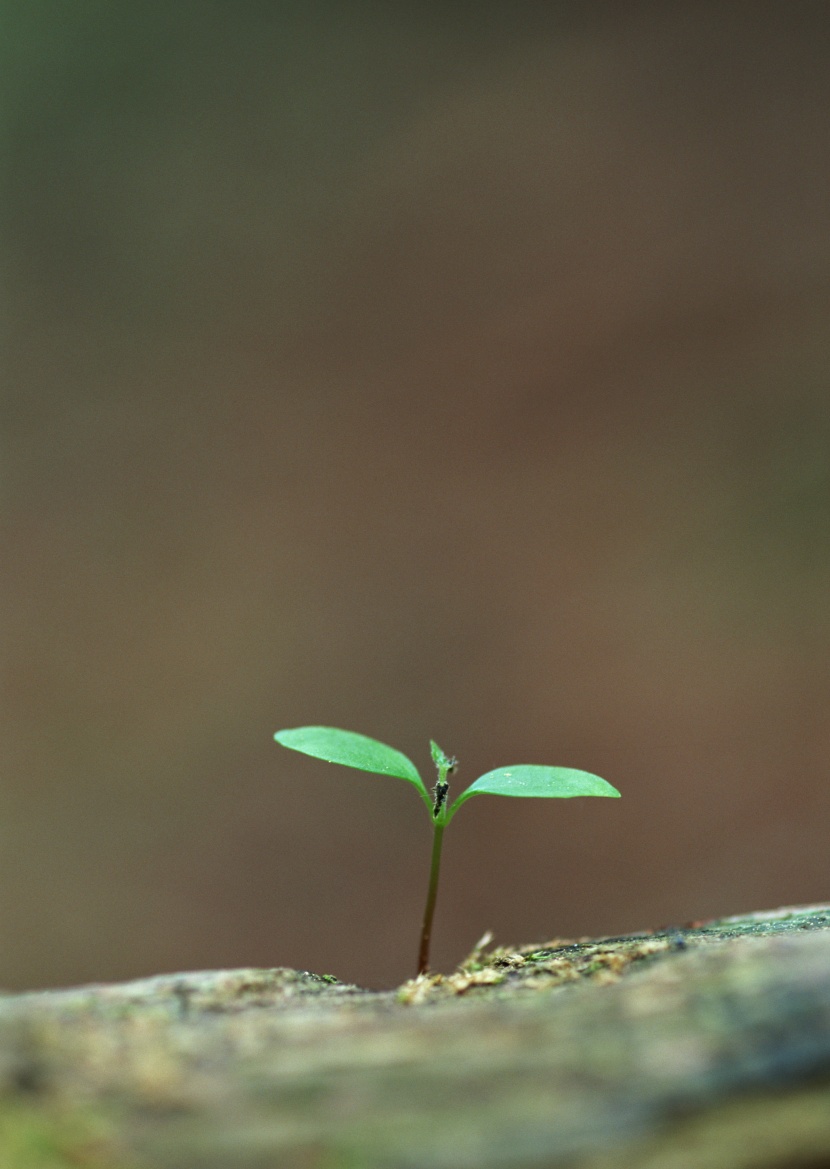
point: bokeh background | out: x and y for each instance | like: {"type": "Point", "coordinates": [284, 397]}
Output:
{"type": "Point", "coordinates": [453, 370]}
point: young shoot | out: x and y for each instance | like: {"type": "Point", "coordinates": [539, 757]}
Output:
{"type": "Point", "coordinates": [365, 754]}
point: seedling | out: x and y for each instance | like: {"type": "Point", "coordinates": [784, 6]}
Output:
{"type": "Point", "coordinates": [527, 779]}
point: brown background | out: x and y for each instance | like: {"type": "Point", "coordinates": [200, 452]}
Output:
{"type": "Point", "coordinates": [460, 374]}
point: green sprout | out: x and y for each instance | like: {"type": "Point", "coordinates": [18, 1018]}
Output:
{"type": "Point", "coordinates": [365, 754]}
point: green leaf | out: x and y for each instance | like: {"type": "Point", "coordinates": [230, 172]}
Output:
{"type": "Point", "coordinates": [529, 779]}
{"type": "Point", "coordinates": [352, 750]}
{"type": "Point", "coordinates": [443, 762]}
{"type": "Point", "coordinates": [439, 758]}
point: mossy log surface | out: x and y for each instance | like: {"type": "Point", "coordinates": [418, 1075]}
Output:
{"type": "Point", "coordinates": [701, 1047]}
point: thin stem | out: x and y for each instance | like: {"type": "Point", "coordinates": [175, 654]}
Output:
{"type": "Point", "coordinates": [432, 893]}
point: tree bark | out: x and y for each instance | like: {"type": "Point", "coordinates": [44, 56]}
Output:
{"type": "Point", "coordinates": [701, 1047]}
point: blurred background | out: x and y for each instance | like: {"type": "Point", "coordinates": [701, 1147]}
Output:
{"type": "Point", "coordinates": [456, 370]}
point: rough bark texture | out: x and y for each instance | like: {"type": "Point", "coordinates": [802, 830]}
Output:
{"type": "Point", "coordinates": [701, 1047]}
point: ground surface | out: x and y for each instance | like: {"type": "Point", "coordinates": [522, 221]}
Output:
{"type": "Point", "coordinates": [697, 1047]}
